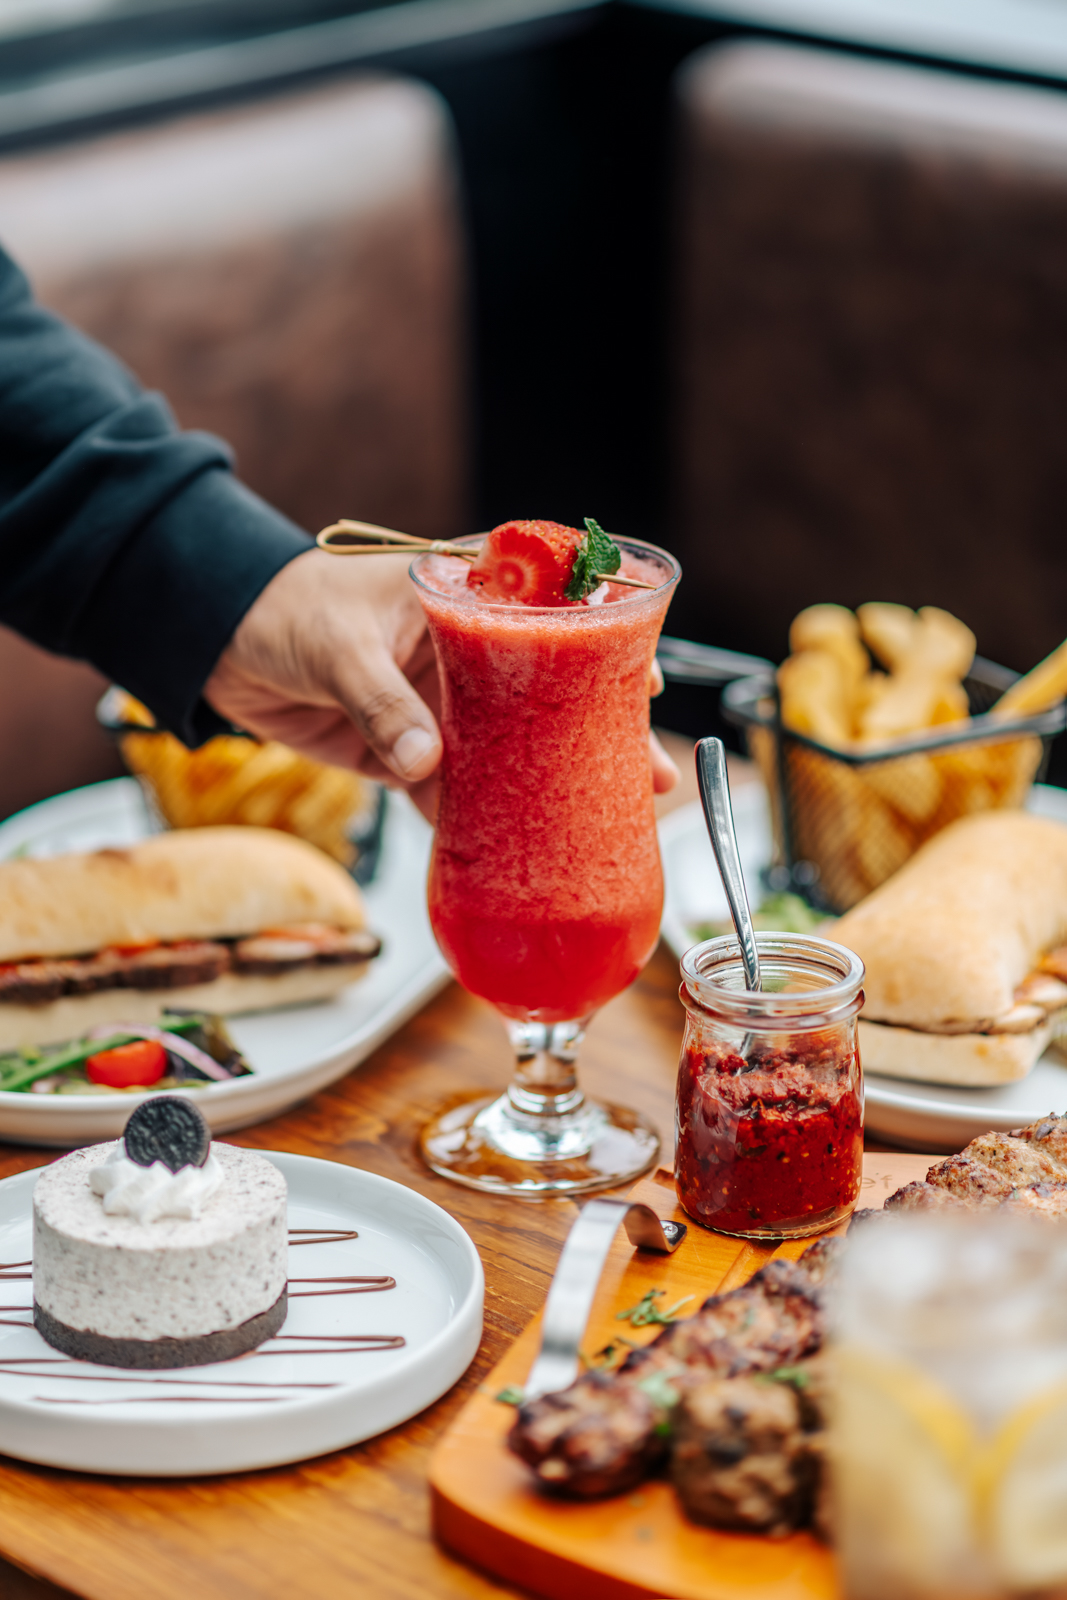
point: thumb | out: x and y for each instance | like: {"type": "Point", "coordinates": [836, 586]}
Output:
{"type": "Point", "coordinates": [397, 724]}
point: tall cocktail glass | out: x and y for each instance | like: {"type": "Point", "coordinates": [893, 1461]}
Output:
{"type": "Point", "coordinates": [545, 887]}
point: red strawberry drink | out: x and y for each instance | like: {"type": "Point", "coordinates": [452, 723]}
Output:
{"type": "Point", "coordinates": [545, 888]}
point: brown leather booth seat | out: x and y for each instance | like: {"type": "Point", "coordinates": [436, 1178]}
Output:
{"type": "Point", "coordinates": [870, 347]}
{"type": "Point", "coordinates": [290, 274]}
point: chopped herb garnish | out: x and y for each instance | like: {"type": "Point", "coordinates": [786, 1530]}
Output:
{"type": "Point", "coordinates": [611, 1356]}
{"type": "Point", "coordinates": [511, 1396]}
{"type": "Point", "coordinates": [646, 1311]}
{"type": "Point", "coordinates": [662, 1393]}
{"type": "Point", "coordinates": [794, 1377]}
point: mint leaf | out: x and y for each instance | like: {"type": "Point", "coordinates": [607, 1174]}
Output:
{"type": "Point", "coordinates": [604, 552]}
{"type": "Point", "coordinates": [596, 558]}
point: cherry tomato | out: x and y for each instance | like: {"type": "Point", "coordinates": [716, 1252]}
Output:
{"type": "Point", "coordinates": [128, 1066]}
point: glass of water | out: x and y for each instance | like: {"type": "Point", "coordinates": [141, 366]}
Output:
{"type": "Point", "coordinates": [948, 1441]}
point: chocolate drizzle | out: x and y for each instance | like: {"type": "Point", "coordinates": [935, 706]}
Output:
{"type": "Point", "coordinates": [178, 1383]}
{"type": "Point", "coordinates": [366, 1286]}
{"type": "Point", "coordinates": [309, 1344]}
{"type": "Point", "coordinates": [165, 1399]}
{"type": "Point", "coordinates": [321, 1235]}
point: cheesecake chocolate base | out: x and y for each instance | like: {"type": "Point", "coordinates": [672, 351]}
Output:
{"type": "Point", "coordinates": [198, 1351]}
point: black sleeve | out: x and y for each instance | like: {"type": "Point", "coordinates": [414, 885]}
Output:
{"type": "Point", "coordinates": [123, 541]}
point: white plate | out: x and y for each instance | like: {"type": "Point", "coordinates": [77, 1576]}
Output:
{"type": "Point", "coordinates": [693, 888]}
{"type": "Point", "coordinates": [293, 1052]}
{"type": "Point", "coordinates": [129, 1426]}
{"type": "Point", "coordinates": [922, 1116]}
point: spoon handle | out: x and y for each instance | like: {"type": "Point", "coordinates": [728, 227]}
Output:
{"type": "Point", "coordinates": [718, 813]}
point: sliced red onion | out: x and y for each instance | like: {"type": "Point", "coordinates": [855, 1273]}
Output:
{"type": "Point", "coordinates": [173, 1042]}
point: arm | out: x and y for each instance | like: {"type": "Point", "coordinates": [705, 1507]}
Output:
{"type": "Point", "coordinates": [127, 543]}
{"type": "Point", "coordinates": [122, 540]}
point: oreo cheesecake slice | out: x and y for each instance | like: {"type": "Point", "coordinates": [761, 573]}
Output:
{"type": "Point", "coordinates": [162, 1249]}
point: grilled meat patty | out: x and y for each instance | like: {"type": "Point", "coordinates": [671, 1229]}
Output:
{"type": "Point", "coordinates": [608, 1430]}
{"type": "Point", "coordinates": [31, 983]}
{"type": "Point", "coordinates": [1026, 1169]}
{"type": "Point", "coordinates": [597, 1438]}
{"type": "Point", "coordinates": [175, 966]}
{"type": "Point", "coordinates": [742, 1458]}
{"type": "Point", "coordinates": [750, 1453]}
{"type": "Point", "coordinates": [183, 964]}
{"type": "Point", "coordinates": [773, 1319]}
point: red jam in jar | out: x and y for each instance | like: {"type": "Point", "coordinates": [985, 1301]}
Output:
{"type": "Point", "coordinates": [770, 1089]}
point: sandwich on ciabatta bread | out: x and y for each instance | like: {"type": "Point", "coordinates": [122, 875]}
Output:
{"type": "Point", "coordinates": [214, 919]}
{"type": "Point", "coordinates": [966, 953]}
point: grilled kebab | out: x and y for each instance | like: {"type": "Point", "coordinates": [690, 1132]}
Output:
{"type": "Point", "coordinates": [733, 1397]}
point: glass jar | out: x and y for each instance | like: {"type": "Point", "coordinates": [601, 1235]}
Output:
{"type": "Point", "coordinates": [948, 1427]}
{"type": "Point", "coordinates": [770, 1089]}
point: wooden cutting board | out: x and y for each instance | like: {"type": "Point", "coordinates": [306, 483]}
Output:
{"type": "Point", "coordinates": [639, 1544]}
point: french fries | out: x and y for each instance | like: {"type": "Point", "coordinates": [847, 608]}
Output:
{"type": "Point", "coordinates": [858, 683]}
{"type": "Point", "coordinates": [815, 696]}
{"type": "Point", "coordinates": [235, 780]}
{"type": "Point", "coordinates": [835, 630]}
{"type": "Point", "coordinates": [1040, 689]}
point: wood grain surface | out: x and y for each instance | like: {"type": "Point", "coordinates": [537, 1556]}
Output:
{"type": "Point", "coordinates": [639, 1545]}
{"type": "Point", "coordinates": [358, 1521]}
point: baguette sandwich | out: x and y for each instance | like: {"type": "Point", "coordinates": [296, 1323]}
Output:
{"type": "Point", "coordinates": [966, 953]}
{"type": "Point", "coordinates": [218, 920]}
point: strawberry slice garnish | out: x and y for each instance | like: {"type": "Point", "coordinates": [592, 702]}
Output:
{"type": "Point", "coordinates": [526, 562]}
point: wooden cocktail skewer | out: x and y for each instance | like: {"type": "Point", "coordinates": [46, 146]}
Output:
{"type": "Point", "coordinates": [387, 538]}
{"type": "Point", "coordinates": [391, 540]}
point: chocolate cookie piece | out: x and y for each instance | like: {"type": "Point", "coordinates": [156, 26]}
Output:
{"type": "Point", "coordinates": [197, 1351]}
{"type": "Point", "coordinates": [170, 1129]}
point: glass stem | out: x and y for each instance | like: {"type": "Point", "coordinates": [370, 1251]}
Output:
{"type": "Point", "coordinates": [546, 1079]}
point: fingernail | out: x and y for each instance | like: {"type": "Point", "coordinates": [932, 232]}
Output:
{"type": "Point", "coordinates": [411, 750]}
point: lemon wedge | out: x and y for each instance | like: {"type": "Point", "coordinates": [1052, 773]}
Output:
{"type": "Point", "coordinates": [904, 1454]}
{"type": "Point", "coordinates": [1021, 1493]}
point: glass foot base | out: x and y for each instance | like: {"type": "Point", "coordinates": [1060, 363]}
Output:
{"type": "Point", "coordinates": [486, 1143]}
{"type": "Point", "coordinates": [776, 1232]}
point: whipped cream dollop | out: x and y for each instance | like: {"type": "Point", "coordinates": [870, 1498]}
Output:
{"type": "Point", "coordinates": [148, 1193]}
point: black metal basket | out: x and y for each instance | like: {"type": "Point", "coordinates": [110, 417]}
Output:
{"type": "Point", "coordinates": [845, 820]}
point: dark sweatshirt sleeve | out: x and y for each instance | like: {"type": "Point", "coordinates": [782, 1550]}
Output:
{"type": "Point", "coordinates": [123, 540]}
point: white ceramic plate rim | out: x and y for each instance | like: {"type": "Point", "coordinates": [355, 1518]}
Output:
{"type": "Point", "coordinates": [250, 1436]}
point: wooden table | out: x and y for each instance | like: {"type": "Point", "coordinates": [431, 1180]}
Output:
{"type": "Point", "coordinates": [356, 1522]}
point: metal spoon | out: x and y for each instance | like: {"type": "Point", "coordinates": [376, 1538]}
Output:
{"type": "Point", "coordinates": [718, 814]}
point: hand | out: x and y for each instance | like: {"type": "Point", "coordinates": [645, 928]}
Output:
{"type": "Point", "coordinates": [334, 660]}
{"type": "Point", "coordinates": [664, 772]}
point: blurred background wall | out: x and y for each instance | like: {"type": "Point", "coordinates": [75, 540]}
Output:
{"type": "Point", "coordinates": [780, 286]}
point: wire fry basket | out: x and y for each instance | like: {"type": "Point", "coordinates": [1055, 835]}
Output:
{"type": "Point", "coordinates": [845, 820]}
